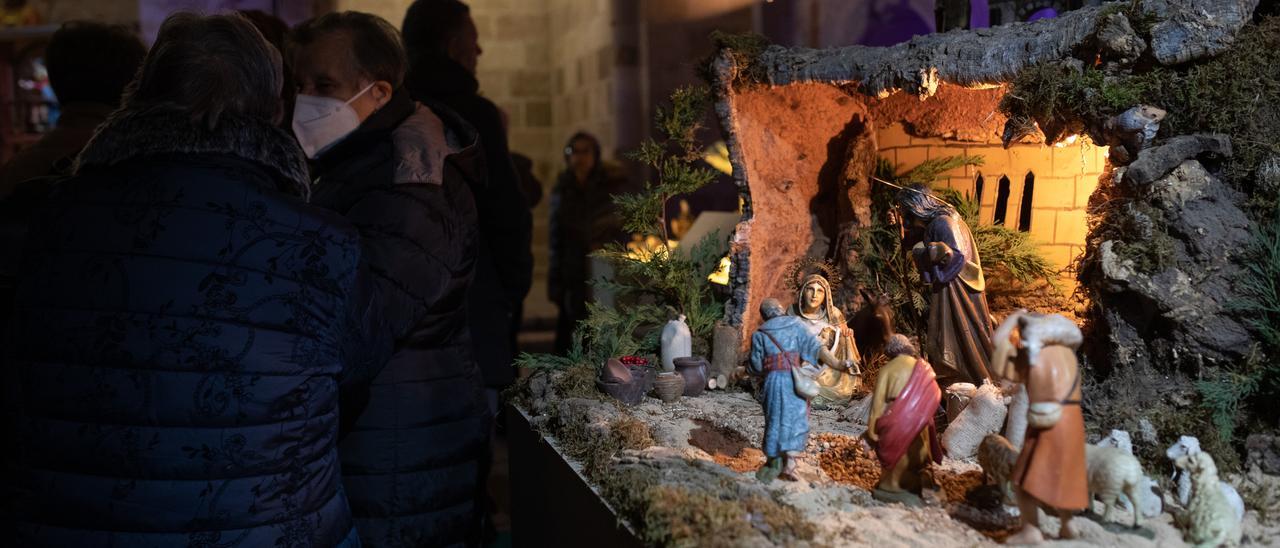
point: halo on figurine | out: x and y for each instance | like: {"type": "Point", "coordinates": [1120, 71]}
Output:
{"type": "Point", "coordinates": [807, 266]}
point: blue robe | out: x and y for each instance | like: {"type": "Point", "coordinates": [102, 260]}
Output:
{"type": "Point", "coordinates": [786, 426]}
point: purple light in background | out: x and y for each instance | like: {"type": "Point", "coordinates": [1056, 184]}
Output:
{"type": "Point", "coordinates": [1045, 13]}
{"type": "Point", "coordinates": [979, 14]}
{"type": "Point", "coordinates": [893, 24]}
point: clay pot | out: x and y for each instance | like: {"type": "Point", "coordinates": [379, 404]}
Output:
{"type": "Point", "coordinates": [614, 371]}
{"type": "Point", "coordinates": [694, 371]}
{"type": "Point", "coordinates": [668, 387]}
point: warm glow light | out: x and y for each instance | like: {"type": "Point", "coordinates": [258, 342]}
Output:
{"type": "Point", "coordinates": [650, 246]}
{"type": "Point", "coordinates": [717, 156]}
{"type": "Point", "coordinates": [1070, 140]}
{"type": "Point", "coordinates": [721, 275]}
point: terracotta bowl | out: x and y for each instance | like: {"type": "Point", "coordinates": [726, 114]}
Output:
{"type": "Point", "coordinates": [614, 371]}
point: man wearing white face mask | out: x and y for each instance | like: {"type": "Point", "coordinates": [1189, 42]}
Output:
{"type": "Point", "coordinates": [400, 172]}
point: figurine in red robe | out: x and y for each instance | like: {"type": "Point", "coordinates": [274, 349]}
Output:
{"type": "Point", "coordinates": [901, 423]}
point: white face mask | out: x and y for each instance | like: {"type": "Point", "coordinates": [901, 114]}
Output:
{"type": "Point", "coordinates": [320, 122]}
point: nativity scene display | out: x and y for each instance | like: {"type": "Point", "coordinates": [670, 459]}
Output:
{"type": "Point", "coordinates": [969, 299]}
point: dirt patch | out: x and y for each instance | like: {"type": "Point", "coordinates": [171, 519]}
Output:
{"type": "Point", "coordinates": [846, 460]}
{"type": "Point", "coordinates": [995, 524]}
{"type": "Point", "coordinates": [953, 486]}
{"type": "Point", "coordinates": [729, 448]}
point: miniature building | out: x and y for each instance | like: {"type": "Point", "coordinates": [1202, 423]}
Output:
{"type": "Point", "coordinates": [805, 135]}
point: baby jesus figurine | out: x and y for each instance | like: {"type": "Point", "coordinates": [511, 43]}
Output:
{"type": "Point", "coordinates": [901, 423]}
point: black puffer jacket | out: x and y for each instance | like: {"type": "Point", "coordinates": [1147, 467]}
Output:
{"type": "Point", "coordinates": [412, 461]}
{"type": "Point", "coordinates": [504, 264]}
{"type": "Point", "coordinates": [182, 326]}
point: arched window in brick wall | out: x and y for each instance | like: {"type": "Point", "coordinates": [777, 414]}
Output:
{"type": "Point", "coordinates": [977, 191]}
{"type": "Point", "coordinates": [1024, 212]}
{"type": "Point", "coordinates": [1002, 201]}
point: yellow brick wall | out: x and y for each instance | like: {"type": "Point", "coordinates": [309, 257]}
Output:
{"type": "Point", "coordinates": [1065, 177]}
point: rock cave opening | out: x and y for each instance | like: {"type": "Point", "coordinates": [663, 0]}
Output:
{"type": "Point", "coordinates": [806, 154]}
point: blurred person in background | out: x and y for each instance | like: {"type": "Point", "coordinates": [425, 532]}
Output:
{"type": "Point", "coordinates": [89, 66]}
{"type": "Point", "coordinates": [444, 49]}
{"type": "Point", "coordinates": [583, 220]}
{"type": "Point", "coordinates": [401, 172]}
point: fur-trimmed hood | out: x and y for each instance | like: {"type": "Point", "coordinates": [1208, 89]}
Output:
{"type": "Point", "coordinates": [422, 142]}
{"type": "Point", "coordinates": [1041, 330]}
{"type": "Point", "coordinates": [166, 129]}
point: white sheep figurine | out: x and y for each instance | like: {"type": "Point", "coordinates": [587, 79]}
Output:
{"type": "Point", "coordinates": [1113, 472]}
{"type": "Point", "coordinates": [1185, 447]}
{"type": "Point", "coordinates": [1210, 521]}
{"type": "Point", "coordinates": [1150, 503]}
{"type": "Point", "coordinates": [983, 415]}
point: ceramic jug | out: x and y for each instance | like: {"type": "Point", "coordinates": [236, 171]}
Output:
{"type": "Point", "coordinates": [676, 342]}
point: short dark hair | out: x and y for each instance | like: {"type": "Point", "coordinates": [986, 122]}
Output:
{"type": "Point", "coordinates": [92, 62]}
{"type": "Point", "coordinates": [211, 65]}
{"type": "Point", "coordinates": [430, 24]}
{"type": "Point", "coordinates": [375, 43]}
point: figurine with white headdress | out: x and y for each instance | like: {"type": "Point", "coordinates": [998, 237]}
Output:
{"type": "Point", "coordinates": [1039, 351]}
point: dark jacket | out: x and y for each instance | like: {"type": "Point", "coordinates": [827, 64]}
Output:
{"type": "Point", "coordinates": [583, 220]}
{"type": "Point", "coordinates": [412, 461]}
{"type": "Point", "coordinates": [25, 182]}
{"type": "Point", "coordinates": [504, 264]}
{"type": "Point", "coordinates": [182, 327]}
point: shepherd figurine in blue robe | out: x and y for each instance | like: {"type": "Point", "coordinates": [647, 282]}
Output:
{"type": "Point", "coordinates": [781, 344]}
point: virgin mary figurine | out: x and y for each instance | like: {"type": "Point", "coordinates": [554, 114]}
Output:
{"type": "Point", "coordinates": [817, 311]}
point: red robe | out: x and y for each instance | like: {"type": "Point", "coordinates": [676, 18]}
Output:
{"type": "Point", "coordinates": [910, 412]}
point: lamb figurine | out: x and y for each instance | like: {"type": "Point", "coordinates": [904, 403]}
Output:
{"type": "Point", "coordinates": [1112, 472]}
{"type": "Point", "coordinates": [1185, 447]}
{"type": "Point", "coordinates": [1210, 521]}
{"type": "Point", "coordinates": [1150, 501]}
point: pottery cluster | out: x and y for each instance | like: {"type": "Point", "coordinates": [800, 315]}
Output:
{"type": "Point", "coordinates": [626, 383]}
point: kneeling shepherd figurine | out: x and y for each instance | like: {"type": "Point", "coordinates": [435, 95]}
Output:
{"type": "Point", "coordinates": [901, 422]}
{"type": "Point", "coordinates": [778, 349]}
